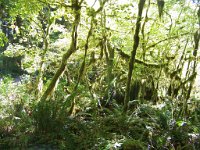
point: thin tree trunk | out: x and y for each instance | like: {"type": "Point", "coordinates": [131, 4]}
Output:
{"type": "Point", "coordinates": [46, 32]}
{"type": "Point", "coordinates": [109, 56]}
{"type": "Point", "coordinates": [196, 38]}
{"type": "Point", "coordinates": [133, 54]}
{"type": "Point", "coordinates": [39, 83]}
{"type": "Point", "coordinates": [196, 47]}
{"type": "Point", "coordinates": [144, 43]}
{"type": "Point", "coordinates": [82, 69]}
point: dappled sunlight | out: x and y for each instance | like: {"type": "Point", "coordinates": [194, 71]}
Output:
{"type": "Point", "coordinates": [99, 74]}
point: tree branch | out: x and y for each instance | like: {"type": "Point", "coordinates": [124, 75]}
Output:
{"type": "Point", "coordinates": [172, 37]}
{"type": "Point", "coordinates": [126, 56]}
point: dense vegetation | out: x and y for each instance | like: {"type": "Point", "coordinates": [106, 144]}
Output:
{"type": "Point", "coordinates": [99, 74]}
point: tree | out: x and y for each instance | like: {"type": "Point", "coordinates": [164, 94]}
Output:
{"type": "Point", "coordinates": [133, 54]}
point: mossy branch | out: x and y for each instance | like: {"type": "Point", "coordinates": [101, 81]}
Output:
{"type": "Point", "coordinates": [126, 56]}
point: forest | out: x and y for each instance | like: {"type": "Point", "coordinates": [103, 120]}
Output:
{"type": "Point", "coordinates": [100, 74]}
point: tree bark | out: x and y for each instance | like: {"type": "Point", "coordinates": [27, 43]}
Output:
{"type": "Point", "coordinates": [133, 54]}
{"type": "Point", "coordinates": [39, 81]}
{"type": "Point", "coordinates": [193, 76]}
{"type": "Point", "coordinates": [65, 57]}
{"type": "Point", "coordinates": [82, 69]}
{"type": "Point", "coordinates": [196, 47]}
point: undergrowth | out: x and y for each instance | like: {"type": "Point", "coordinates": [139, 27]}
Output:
{"type": "Point", "coordinates": [26, 123]}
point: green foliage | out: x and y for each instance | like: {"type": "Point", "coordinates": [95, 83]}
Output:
{"type": "Point", "coordinates": [22, 7]}
{"type": "Point", "coordinates": [130, 144]}
{"type": "Point", "coordinates": [49, 117]}
{"type": "Point", "coordinates": [15, 117]}
{"type": "Point", "coordinates": [164, 62]}
{"type": "Point", "coordinates": [3, 39]}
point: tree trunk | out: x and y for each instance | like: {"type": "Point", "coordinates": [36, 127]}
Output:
{"type": "Point", "coordinates": [42, 68]}
{"type": "Point", "coordinates": [133, 54]}
{"type": "Point", "coordinates": [46, 31]}
{"type": "Point", "coordinates": [196, 47]}
{"type": "Point", "coordinates": [82, 69]}
{"type": "Point", "coordinates": [65, 57]}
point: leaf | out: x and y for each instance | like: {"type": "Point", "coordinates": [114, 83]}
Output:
{"type": "Point", "coordinates": [3, 39]}
{"type": "Point", "coordinates": [181, 123]}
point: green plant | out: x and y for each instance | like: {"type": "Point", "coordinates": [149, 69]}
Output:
{"type": "Point", "coordinates": [131, 144]}
{"type": "Point", "coordinates": [48, 116]}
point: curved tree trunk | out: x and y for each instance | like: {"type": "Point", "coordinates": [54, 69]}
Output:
{"type": "Point", "coordinates": [65, 57]}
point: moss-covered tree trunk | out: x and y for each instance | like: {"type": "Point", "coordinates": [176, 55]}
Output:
{"type": "Point", "coordinates": [133, 54]}
{"type": "Point", "coordinates": [77, 10]}
{"type": "Point", "coordinates": [43, 17]}
{"type": "Point", "coordinates": [196, 47]}
{"type": "Point", "coordinates": [83, 66]}
{"type": "Point", "coordinates": [82, 69]}
{"type": "Point", "coordinates": [42, 64]}
{"type": "Point", "coordinates": [109, 56]}
{"type": "Point", "coordinates": [194, 65]}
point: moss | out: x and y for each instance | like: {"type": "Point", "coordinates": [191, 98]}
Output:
{"type": "Point", "coordinates": [132, 144]}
